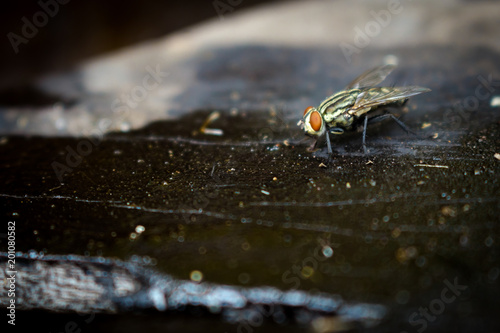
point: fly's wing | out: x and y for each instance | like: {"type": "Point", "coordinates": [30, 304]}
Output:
{"type": "Point", "coordinates": [371, 77]}
{"type": "Point", "coordinates": [373, 97]}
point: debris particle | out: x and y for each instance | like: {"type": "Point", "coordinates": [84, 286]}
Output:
{"type": "Point", "coordinates": [495, 101]}
{"type": "Point", "coordinates": [348, 185]}
{"type": "Point", "coordinates": [275, 178]}
{"type": "Point", "coordinates": [322, 165]}
{"type": "Point", "coordinates": [497, 156]}
{"type": "Point", "coordinates": [391, 59]}
{"type": "Point", "coordinates": [139, 229]}
{"type": "Point", "coordinates": [370, 162]}
{"type": "Point", "coordinates": [327, 251]}
{"type": "Point", "coordinates": [425, 125]}
{"type": "Point", "coordinates": [448, 211]}
{"type": "Point", "coordinates": [431, 166]}
{"type": "Point", "coordinates": [405, 254]}
{"type": "Point", "coordinates": [286, 143]}
{"type": "Point", "coordinates": [331, 324]}
{"type": "Point", "coordinates": [307, 271]}
{"type": "Point", "coordinates": [264, 192]}
{"type": "Point", "coordinates": [395, 233]}
{"type": "Point", "coordinates": [435, 136]}
{"type": "Point", "coordinates": [211, 131]}
{"type": "Point", "coordinates": [196, 276]}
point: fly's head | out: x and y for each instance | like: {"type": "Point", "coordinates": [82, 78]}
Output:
{"type": "Point", "coordinates": [312, 123]}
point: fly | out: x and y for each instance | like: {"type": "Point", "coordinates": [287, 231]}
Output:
{"type": "Point", "coordinates": [345, 110]}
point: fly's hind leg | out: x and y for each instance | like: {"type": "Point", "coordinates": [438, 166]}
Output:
{"type": "Point", "coordinates": [388, 115]}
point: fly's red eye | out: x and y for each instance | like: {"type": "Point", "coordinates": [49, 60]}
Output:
{"type": "Point", "coordinates": [307, 110]}
{"type": "Point", "coordinates": [315, 120]}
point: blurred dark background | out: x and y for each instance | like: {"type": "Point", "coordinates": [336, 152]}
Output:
{"type": "Point", "coordinates": [84, 29]}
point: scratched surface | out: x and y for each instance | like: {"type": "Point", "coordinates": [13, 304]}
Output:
{"type": "Point", "coordinates": [247, 209]}
{"type": "Point", "coordinates": [252, 207]}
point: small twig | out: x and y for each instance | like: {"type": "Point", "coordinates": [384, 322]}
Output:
{"type": "Point", "coordinates": [211, 131]}
{"type": "Point", "coordinates": [432, 166]}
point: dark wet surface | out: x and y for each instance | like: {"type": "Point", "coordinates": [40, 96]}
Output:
{"type": "Point", "coordinates": [254, 208]}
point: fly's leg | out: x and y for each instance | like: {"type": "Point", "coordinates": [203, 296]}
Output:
{"type": "Point", "coordinates": [364, 135]}
{"type": "Point", "coordinates": [313, 146]}
{"type": "Point", "coordinates": [329, 144]}
{"type": "Point", "coordinates": [388, 115]}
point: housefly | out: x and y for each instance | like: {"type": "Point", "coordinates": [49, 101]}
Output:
{"type": "Point", "coordinates": [347, 109]}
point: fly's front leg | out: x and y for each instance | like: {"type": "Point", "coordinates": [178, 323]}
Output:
{"type": "Point", "coordinates": [332, 130]}
{"type": "Point", "coordinates": [328, 143]}
{"type": "Point", "coordinates": [313, 146]}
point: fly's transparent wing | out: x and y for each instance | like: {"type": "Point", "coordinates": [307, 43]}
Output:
{"type": "Point", "coordinates": [373, 97]}
{"type": "Point", "coordinates": [371, 77]}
